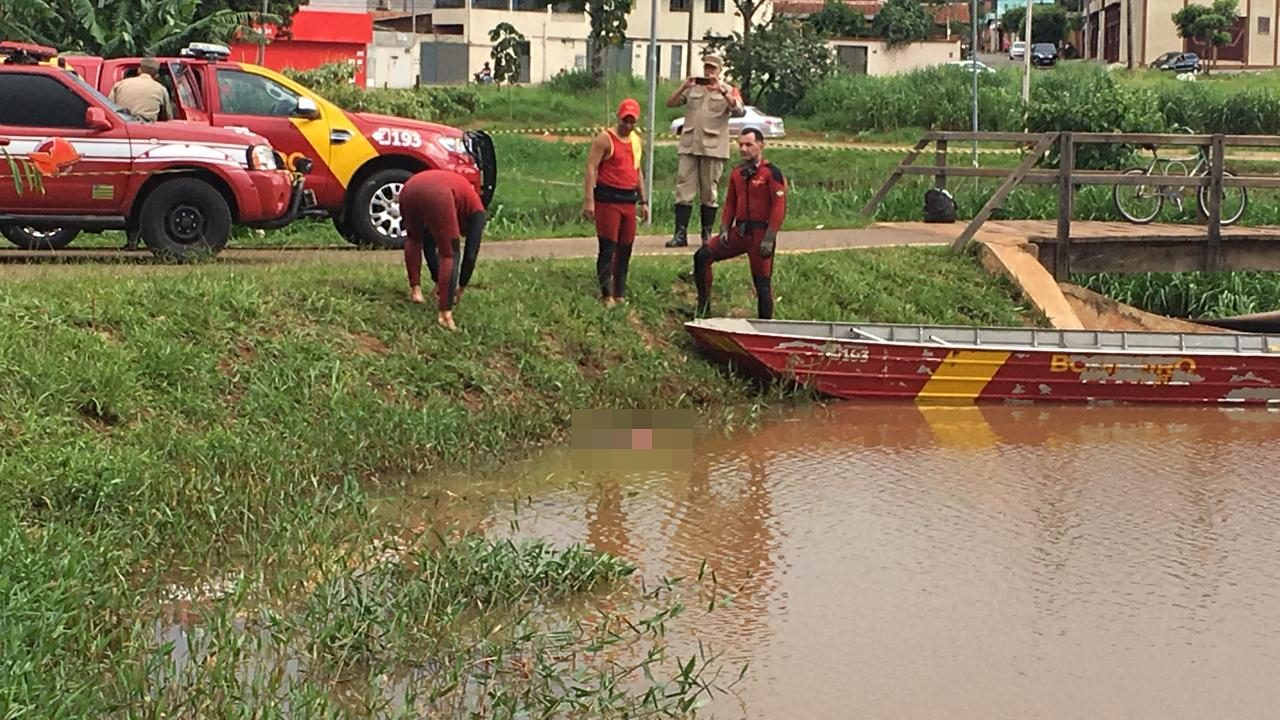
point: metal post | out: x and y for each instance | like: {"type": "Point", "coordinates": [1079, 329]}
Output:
{"type": "Point", "coordinates": [413, 24]}
{"type": "Point", "coordinates": [653, 100]}
{"type": "Point", "coordinates": [1026, 58]}
{"type": "Point", "coordinates": [973, 65]}
{"type": "Point", "coordinates": [688, 60]}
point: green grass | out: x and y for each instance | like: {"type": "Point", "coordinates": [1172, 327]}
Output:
{"type": "Point", "coordinates": [225, 429]}
{"type": "Point", "coordinates": [1191, 295]}
{"type": "Point", "coordinates": [548, 106]}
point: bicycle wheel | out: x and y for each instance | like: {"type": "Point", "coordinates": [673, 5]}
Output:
{"type": "Point", "coordinates": [1138, 204]}
{"type": "Point", "coordinates": [1234, 200]}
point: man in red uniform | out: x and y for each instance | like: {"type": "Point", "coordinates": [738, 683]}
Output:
{"type": "Point", "coordinates": [753, 212]}
{"type": "Point", "coordinates": [436, 206]}
{"type": "Point", "coordinates": [613, 187]}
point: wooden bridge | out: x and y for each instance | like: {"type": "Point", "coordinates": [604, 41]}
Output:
{"type": "Point", "coordinates": [1066, 246]}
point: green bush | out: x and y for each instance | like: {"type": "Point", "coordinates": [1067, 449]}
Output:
{"type": "Point", "coordinates": [336, 83]}
{"type": "Point", "coordinates": [572, 82]}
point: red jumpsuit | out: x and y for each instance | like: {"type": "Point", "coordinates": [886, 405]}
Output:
{"type": "Point", "coordinates": [615, 194]}
{"type": "Point", "coordinates": [754, 206]}
{"type": "Point", "coordinates": [436, 206]}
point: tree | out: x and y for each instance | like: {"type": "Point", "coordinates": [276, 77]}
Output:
{"type": "Point", "coordinates": [506, 53]}
{"type": "Point", "coordinates": [748, 9]}
{"type": "Point", "coordinates": [608, 27]}
{"type": "Point", "coordinates": [837, 19]}
{"type": "Point", "coordinates": [902, 21]}
{"type": "Point", "coordinates": [1207, 24]}
{"type": "Point", "coordinates": [1049, 23]}
{"type": "Point", "coordinates": [784, 60]}
{"type": "Point", "coordinates": [117, 28]}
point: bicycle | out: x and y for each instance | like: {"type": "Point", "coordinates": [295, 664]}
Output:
{"type": "Point", "coordinates": [1139, 204]}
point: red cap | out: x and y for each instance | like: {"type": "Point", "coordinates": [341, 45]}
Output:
{"type": "Point", "coordinates": [629, 107]}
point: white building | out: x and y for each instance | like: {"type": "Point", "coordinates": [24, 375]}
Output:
{"type": "Point", "coordinates": [454, 37]}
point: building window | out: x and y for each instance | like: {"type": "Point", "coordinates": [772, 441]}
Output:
{"type": "Point", "coordinates": [491, 4]}
{"type": "Point", "coordinates": [1264, 26]}
{"type": "Point", "coordinates": [714, 6]}
{"type": "Point", "coordinates": [564, 8]}
{"type": "Point", "coordinates": [450, 4]}
{"type": "Point", "coordinates": [681, 5]}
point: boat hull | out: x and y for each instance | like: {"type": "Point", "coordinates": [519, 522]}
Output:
{"type": "Point", "coordinates": [855, 368]}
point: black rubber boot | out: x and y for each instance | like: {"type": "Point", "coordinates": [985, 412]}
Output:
{"type": "Point", "coordinates": [708, 222]}
{"type": "Point", "coordinates": [132, 239]}
{"type": "Point", "coordinates": [681, 236]}
{"type": "Point", "coordinates": [702, 279]}
{"type": "Point", "coordinates": [764, 297]}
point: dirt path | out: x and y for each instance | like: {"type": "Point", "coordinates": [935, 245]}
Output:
{"type": "Point", "coordinates": [23, 263]}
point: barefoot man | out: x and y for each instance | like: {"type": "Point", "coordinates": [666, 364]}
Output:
{"type": "Point", "coordinates": [613, 187]}
{"type": "Point", "coordinates": [437, 206]}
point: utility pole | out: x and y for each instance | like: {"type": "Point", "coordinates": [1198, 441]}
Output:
{"type": "Point", "coordinates": [1026, 57]}
{"type": "Point", "coordinates": [413, 24]}
{"type": "Point", "coordinates": [262, 41]}
{"type": "Point", "coordinates": [973, 64]}
{"type": "Point", "coordinates": [688, 50]}
{"type": "Point", "coordinates": [1128, 31]}
{"type": "Point", "coordinates": [653, 99]}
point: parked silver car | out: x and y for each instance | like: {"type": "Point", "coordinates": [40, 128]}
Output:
{"type": "Point", "coordinates": [768, 125]}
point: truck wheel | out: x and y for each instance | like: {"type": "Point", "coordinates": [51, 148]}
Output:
{"type": "Point", "coordinates": [185, 219]}
{"type": "Point", "coordinates": [35, 239]}
{"type": "Point", "coordinates": [343, 226]}
{"type": "Point", "coordinates": [374, 210]}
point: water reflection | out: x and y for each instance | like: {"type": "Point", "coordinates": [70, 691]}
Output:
{"type": "Point", "coordinates": [903, 562]}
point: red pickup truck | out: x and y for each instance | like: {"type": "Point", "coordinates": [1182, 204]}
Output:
{"type": "Point", "coordinates": [360, 160]}
{"type": "Point", "coordinates": [70, 161]}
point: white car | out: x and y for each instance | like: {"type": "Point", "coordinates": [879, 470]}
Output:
{"type": "Point", "coordinates": [969, 65]}
{"type": "Point", "coordinates": [768, 125]}
{"type": "Point", "coordinates": [1017, 50]}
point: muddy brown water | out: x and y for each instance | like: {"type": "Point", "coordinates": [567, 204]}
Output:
{"type": "Point", "coordinates": [900, 562]}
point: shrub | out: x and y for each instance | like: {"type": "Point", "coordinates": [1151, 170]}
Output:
{"type": "Point", "coordinates": [336, 83]}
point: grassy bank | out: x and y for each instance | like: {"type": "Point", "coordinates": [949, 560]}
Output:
{"type": "Point", "coordinates": [198, 449]}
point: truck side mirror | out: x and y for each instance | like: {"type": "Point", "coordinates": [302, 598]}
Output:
{"type": "Point", "coordinates": [95, 118]}
{"type": "Point", "coordinates": [307, 108]}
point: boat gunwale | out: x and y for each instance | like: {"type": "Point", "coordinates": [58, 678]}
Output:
{"type": "Point", "coordinates": [748, 327]}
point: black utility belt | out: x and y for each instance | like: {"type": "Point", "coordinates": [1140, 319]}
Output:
{"type": "Point", "coordinates": [745, 225]}
{"type": "Point", "coordinates": [610, 194]}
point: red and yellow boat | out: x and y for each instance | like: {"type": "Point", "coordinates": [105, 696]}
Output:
{"type": "Point", "coordinates": [947, 363]}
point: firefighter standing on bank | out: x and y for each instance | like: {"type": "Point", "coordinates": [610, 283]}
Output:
{"type": "Point", "coordinates": [614, 184]}
{"type": "Point", "coordinates": [754, 209]}
{"type": "Point", "coordinates": [704, 145]}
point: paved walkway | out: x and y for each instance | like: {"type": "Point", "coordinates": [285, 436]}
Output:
{"type": "Point", "coordinates": [880, 235]}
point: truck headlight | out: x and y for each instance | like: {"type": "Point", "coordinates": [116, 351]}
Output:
{"type": "Point", "coordinates": [262, 157]}
{"type": "Point", "coordinates": [452, 144]}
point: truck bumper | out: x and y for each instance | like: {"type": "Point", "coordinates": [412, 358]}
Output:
{"type": "Point", "coordinates": [480, 148]}
{"type": "Point", "coordinates": [293, 208]}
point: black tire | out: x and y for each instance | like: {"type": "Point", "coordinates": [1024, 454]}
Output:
{"type": "Point", "coordinates": [36, 239]}
{"type": "Point", "coordinates": [1127, 209]}
{"type": "Point", "coordinates": [185, 219]}
{"type": "Point", "coordinates": [1234, 201]}
{"type": "Point", "coordinates": [343, 227]}
{"type": "Point", "coordinates": [373, 210]}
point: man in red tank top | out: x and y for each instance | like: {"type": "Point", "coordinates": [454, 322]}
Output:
{"type": "Point", "coordinates": [613, 187]}
{"type": "Point", "coordinates": [438, 207]}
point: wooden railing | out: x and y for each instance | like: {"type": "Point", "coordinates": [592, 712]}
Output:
{"type": "Point", "coordinates": [1067, 177]}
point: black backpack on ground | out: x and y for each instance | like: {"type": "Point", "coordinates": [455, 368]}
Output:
{"type": "Point", "coordinates": [939, 206]}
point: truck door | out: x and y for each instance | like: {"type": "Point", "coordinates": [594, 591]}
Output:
{"type": "Point", "coordinates": [64, 166]}
{"type": "Point", "coordinates": [270, 109]}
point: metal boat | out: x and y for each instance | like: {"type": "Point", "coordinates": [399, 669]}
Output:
{"type": "Point", "coordinates": [948, 363]}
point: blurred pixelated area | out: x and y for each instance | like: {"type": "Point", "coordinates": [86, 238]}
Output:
{"type": "Point", "coordinates": [632, 440]}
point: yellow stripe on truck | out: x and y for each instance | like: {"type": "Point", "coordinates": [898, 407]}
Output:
{"type": "Point", "coordinates": [343, 160]}
{"type": "Point", "coordinates": [963, 375]}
